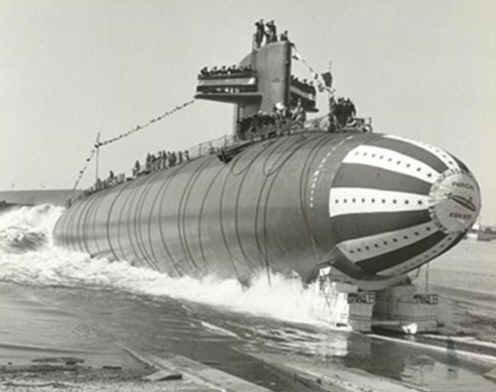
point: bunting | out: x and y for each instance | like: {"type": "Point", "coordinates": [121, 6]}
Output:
{"type": "Point", "coordinates": [323, 81]}
{"type": "Point", "coordinates": [114, 139]}
{"type": "Point", "coordinates": [140, 127]}
{"type": "Point", "coordinates": [83, 170]}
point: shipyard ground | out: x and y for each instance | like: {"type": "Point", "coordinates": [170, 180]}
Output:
{"type": "Point", "coordinates": [151, 373]}
{"type": "Point", "coordinates": [47, 333]}
{"type": "Point", "coordinates": [180, 374]}
{"type": "Point", "coordinates": [70, 378]}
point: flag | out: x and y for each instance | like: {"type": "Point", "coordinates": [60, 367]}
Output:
{"type": "Point", "coordinates": [327, 76]}
{"type": "Point", "coordinates": [296, 56]}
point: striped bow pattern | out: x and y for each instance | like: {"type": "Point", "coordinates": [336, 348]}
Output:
{"type": "Point", "coordinates": [396, 204]}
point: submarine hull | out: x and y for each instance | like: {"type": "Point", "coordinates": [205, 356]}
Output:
{"type": "Point", "coordinates": [289, 204]}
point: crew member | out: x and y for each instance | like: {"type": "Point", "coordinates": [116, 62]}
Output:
{"type": "Point", "coordinates": [172, 159]}
{"type": "Point", "coordinates": [299, 114]}
{"type": "Point", "coordinates": [137, 169]}
{"type": "Point", "coordinates": [340, 112]}
{"type": "Point", "coordinates": [332, 116]}
{"type": "Point", "coordinates": [259, 33]}
{"type": "Point", "coordinates": [271, 32]}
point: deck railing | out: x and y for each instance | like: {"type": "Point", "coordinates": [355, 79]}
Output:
{"type": "Point", "coordinates": [224, 143]}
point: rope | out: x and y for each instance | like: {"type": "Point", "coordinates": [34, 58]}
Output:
{"type": "Point", "coordinates": [83, 170]}
{"type": "Point", "coordinates": [140, 127]}
{"type": "Point", "coordinates": [137, 128]}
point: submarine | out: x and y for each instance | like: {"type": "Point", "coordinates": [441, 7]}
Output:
{"type": "Point", "coordinates": [288, 195]}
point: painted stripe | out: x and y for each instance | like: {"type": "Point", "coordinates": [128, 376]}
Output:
{"type": "Point", "coordinates": [442, 155]}
{"type": "Point", "coordinates": [410, 149]}
{"type": "Point", "coordinates": [365, 200]}
{"type": "Point", "coordinates": [397, 257]}
{"type": "Point", "coordinates": [391, 160]}
{"type": "Point", "coordinates": [375, 245]}
{"type": "Point", "coordinates": [351, 175]}
{"type": "Point", "coordinates": [423, 257]}
{"type": "Point", "coordinates": [347, 227]}
{"type": "Point", "coordinates": [340, 262]}
{"type": "Point", "coordinates": [461, 164]}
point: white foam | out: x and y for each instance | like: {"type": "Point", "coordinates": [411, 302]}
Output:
{"type": "Point", "coordinates": [284, 298]}
{"type": "Point", "coordinates": [41, 218]}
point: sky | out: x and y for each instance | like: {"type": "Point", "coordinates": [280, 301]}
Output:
{"type": "Point", "coordinates": [71, 68]}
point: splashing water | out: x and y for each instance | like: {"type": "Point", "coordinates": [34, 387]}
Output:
{"type": "Point", "coordinates": [41, 263]}
{"type": "Point", "coordinates": [27, 228]}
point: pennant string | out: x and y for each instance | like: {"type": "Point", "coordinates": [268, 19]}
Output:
{"type": "Point", "coordinates": [114, 139]}
{"type": "Point", "coordinates": [319, 80]}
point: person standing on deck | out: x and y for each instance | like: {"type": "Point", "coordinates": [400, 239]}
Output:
{"type": "Point", "coordinates": [271, 32]}
{"type": "Point", "coordinates": [259, 33]}
{"type": "Point", "coordinates": [332, 114]}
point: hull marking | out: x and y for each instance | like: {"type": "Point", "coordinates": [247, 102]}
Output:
{"type": "Point", "coordinates": [366, 200]}
{"type": "Point", "coordinates": [393, 161]}
{"type": "Point", "coordinates": [420, 259]}
{"type": "Point", "coordinates": [375, 245]}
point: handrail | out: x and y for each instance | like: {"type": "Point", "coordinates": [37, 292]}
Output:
{"type": "Point", "coordinates": [232, 75]}
{"type": "Point", "coordinates": [221, 144]}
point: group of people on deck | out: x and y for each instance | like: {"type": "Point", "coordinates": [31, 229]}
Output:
{"type": "Point", "coordinates": [159, 161]}
{"type": "Point", "coordinates": [153, 162]}
{"type": "Point", "coordinates": [263, 123]}
{"type": "Point", "coordinates": [260, 125]}
{"type": "Point", "coordinates": [304, 85]}
{"type": "Point", "coordinates": [267, 31]}
{"type": "Point", "coordinates": [341, 112]}
{"type": "Point", "coordinates": [224, 71]}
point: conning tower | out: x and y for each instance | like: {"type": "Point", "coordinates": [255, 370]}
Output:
{"type": "Point", "coordinates": [261, 83]}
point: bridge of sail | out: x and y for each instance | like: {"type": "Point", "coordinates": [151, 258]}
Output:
{"type": "Point", "coordinates": [261, 84]}
{"type": "Point", "coordinates": [230, 85]}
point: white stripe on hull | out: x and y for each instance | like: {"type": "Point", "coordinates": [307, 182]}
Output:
{"type": "Point", "coordinates": [379, 244]}
{"type": "Point", "coordinates": [440, 154]}
{"type": "Point", "coordinates": [420, 259]}
{"type": "Point", "coordinates": [366, 200]}
{"type": "Point", "coordinates": [393, 161]}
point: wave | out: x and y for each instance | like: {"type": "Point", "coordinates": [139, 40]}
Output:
{"type": "Point", "coordinates": [27, 228]}
{"type": "Point", "coordinates": [41, 263]}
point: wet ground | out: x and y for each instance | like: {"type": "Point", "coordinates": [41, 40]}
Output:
{"type": "Point", "coordinates": [94, 324]}
{"type": "Point", "coordinates": [57, 305]}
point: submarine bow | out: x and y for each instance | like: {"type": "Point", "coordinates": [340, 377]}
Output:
{"type": "Point", "coordinates": [380, 205]}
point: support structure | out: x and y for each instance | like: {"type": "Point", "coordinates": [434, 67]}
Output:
{"type": "Point", "coordinates": [399, 308]}
{"type": "Point", "coordinates": [402, 308]}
